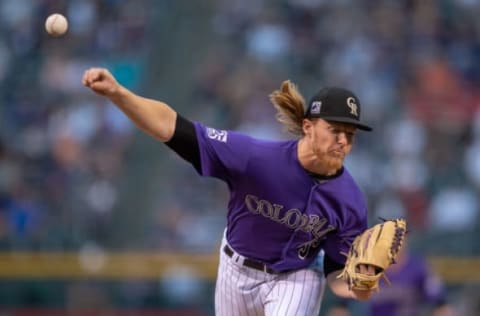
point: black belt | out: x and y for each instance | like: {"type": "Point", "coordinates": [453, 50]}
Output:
{"type": "Point", "coordinates": [249, 262]}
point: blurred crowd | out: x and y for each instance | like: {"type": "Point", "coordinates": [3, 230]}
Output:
{"type": "Point", "coordinates": [61, 151]}
{"type": "Point", "coordinates": [64, 163]}
{"type": "Point", "coordinates": [75, 173]}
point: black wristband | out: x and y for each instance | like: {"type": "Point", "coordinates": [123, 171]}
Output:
{"type": "Point", "coordinates": [184, 142]}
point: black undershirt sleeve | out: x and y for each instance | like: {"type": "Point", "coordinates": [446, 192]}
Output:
{"type": "Point", "coordinates": [329, 265]}
{"type": "Point", "coordinates": [184, 142]}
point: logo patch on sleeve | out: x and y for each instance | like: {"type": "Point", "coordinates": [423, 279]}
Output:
{"type": "Point", "coordinates": [219, 135]}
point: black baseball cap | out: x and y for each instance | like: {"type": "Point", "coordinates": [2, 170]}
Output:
{"type": "Point", "coordinates": [336, 105]}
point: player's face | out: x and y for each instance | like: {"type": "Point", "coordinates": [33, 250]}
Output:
{"type": "Point", "coordinates": [330, 141]}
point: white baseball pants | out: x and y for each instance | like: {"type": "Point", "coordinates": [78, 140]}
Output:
{"type": "Point", "coordinates": [243, 291]}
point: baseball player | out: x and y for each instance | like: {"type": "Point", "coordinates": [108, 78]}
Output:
{"type": "Point", "coordinates": [290, 201]}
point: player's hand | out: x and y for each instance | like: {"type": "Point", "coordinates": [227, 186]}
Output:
{"type": "Point", "coordinates": [101, 81]}
{"type": "Point", "coordinates": [364, 294]}
{"type": "Point", "coordinates": [366, 269]}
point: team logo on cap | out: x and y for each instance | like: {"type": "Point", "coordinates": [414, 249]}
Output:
{"type": "Point", "coordinates": [352, 104]}
{"type": "Point", "coordinates": [316, 107]}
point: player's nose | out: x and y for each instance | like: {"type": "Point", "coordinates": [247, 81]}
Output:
{"type": "Point", "coordinates": [342, 138]}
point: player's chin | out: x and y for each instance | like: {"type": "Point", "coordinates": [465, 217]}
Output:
{"type": "Point", "coordinates": [334, 163]}
{"type": "Point", "coordinates": [336, 158]}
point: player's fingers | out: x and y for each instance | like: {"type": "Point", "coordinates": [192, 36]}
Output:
{"type": "Point", "coordinates": [95, 74]}
{"type": "Point", "coordinates": [366, 269]}
{"type": "Point", "coordinates": [100, 81]}
{"type": "Point", "coordinates": [88, 77]}
{"type": "Point", "coordinates": [85, 78]}
{"type": "Point", "coordinates": [92, 75]}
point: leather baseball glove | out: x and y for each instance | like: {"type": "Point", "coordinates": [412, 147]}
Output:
{"type": "Point", "coordinates": [377, 246]}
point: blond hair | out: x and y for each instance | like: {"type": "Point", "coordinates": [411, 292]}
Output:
{"type": "Point", "coordinates": [290, 106]}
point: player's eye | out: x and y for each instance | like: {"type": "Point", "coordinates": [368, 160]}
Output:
{"type": "Point", "coordinates": [350, 136]}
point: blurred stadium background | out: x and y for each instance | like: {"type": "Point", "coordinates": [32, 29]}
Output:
{"type": "Point", "coordinates": [96, 218]}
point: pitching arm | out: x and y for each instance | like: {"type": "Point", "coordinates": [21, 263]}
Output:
{"type": "Point", "coordinates": [155, 118]}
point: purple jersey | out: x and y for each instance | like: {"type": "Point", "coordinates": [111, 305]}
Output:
{"type": "Point", "coordinates": [277, 213]}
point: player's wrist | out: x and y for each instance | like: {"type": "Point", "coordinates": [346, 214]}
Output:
{"type": "Point", "coordinates": [118, 93]}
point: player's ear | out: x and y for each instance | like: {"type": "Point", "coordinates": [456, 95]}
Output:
{"type": "Point", "coordinates": [307, 126]}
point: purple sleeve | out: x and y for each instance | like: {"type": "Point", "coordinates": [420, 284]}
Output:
{"type": "Point", "coordinates": [222, 153]}
{"type": "Point", "coordinates": [338, 245]}
{"type": "Point", "coordinates": [350, 216]}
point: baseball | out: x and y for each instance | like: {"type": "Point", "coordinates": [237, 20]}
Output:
{"type": "Point", "coordinates": [56, 24]}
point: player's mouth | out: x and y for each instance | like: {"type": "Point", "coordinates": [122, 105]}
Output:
{"type": "Point", "coordinates": [337, 153]}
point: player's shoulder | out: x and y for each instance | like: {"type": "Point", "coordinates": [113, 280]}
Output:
{"type": "Point", "coordinates": [227, 135]}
